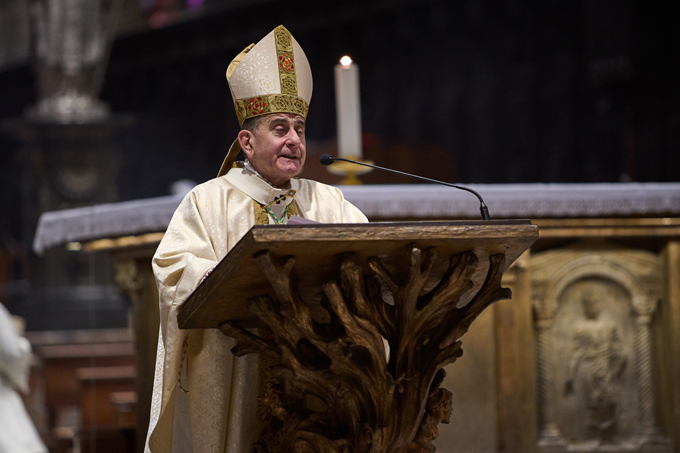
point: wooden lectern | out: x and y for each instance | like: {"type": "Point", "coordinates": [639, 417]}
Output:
{"type": "Point", "coordinates": [333, 296]}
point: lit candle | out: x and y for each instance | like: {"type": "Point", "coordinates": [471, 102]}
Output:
{"type": "Point", "coordinates": [348, 108]}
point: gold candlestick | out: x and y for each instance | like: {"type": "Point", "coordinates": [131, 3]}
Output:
{"type": "Point", "coordinates": [349, 170]}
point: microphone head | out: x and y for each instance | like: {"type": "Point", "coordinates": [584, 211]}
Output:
{"type": "Point", "coordinates": [326, 159]}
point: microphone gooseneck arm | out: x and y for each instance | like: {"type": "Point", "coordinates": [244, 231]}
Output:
{"type": "Point", "coordinates": [327, 159]}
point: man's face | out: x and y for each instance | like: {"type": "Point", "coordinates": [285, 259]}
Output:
{"type": "Point", "coordinates": [277, 148]}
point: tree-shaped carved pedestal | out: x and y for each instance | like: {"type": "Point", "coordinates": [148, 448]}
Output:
{"type": "Point", "coordinates": [371, 404]}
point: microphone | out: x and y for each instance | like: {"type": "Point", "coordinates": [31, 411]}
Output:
{"type": "Point", "coordinates": [327, 159]}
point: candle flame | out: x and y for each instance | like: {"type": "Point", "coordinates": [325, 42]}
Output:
{"type": "Point", "coordinates": [346, 61]}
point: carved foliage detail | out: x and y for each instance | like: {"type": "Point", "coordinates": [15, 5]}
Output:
{"type": "Point", "coordinates": [365, 403]}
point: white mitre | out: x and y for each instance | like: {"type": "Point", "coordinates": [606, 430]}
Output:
{"type": "Point", "coordinates": [272, 76]}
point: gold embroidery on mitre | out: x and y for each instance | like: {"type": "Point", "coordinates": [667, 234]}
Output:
{"type": "Point", "coordinates": [286, 60]}
{"type": "Point", "coordinates": [240, 112]}
{"type": "Point", "coordinates": [270, 103]}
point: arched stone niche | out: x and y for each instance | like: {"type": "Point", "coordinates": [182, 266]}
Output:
{"type": "Point", "coordinates": [593, 311]}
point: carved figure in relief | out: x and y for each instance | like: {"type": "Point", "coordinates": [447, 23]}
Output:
{"type": "Point", "coordinates": [598, 361]}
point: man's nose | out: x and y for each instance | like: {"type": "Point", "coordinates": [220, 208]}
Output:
{"type": "Point", "coordinates": [293, 138]}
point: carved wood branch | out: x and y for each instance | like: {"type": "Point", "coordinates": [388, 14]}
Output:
{"type": "Point", "coordinates": [247, 342]}
{"type": "Point", "coordinates": [371, 405]}
{"type": "Point", "coordinates": [366, 303]}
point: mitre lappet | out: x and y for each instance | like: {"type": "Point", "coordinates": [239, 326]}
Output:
{"type": "Point", "coordinates": [272, 76]}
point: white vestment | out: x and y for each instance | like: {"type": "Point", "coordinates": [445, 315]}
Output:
{"type": "Point", "coordinates": [218, 413]}
{"type": "Point", "coordinates": [17, 432]}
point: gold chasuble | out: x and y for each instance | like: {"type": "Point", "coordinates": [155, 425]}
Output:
{"type": "Point", "coordinates": [204, 398]}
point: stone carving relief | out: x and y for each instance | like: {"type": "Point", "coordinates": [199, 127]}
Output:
{"type": "Point", "coordinates": [594, 334]}
{"type": "Point", "coordinates": [594, 309]}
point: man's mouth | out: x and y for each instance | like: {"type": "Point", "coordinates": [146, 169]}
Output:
{"type": "Point", "coordinates": [289, 156]}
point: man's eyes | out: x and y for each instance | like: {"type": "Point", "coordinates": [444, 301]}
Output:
{"type": "Point", "coordinates": [283, 130]}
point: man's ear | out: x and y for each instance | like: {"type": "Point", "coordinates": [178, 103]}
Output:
{"type": "Point", "coordinates": [245, 138]}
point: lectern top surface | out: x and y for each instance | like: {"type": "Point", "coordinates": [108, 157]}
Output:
{"type": "Point", "coordinates": [317, 249]}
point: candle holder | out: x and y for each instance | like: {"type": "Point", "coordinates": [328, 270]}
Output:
{"type": "Point", "coordinates": [349, 170]}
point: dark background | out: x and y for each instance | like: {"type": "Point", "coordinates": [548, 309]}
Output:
{"type": "Point", "coordinates": [489, 91]}
{"type": "Point", "coordinates": [474, 91]}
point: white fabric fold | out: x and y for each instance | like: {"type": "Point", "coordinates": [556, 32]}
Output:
{"type": "Point", "coordinates": [17, 432]}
